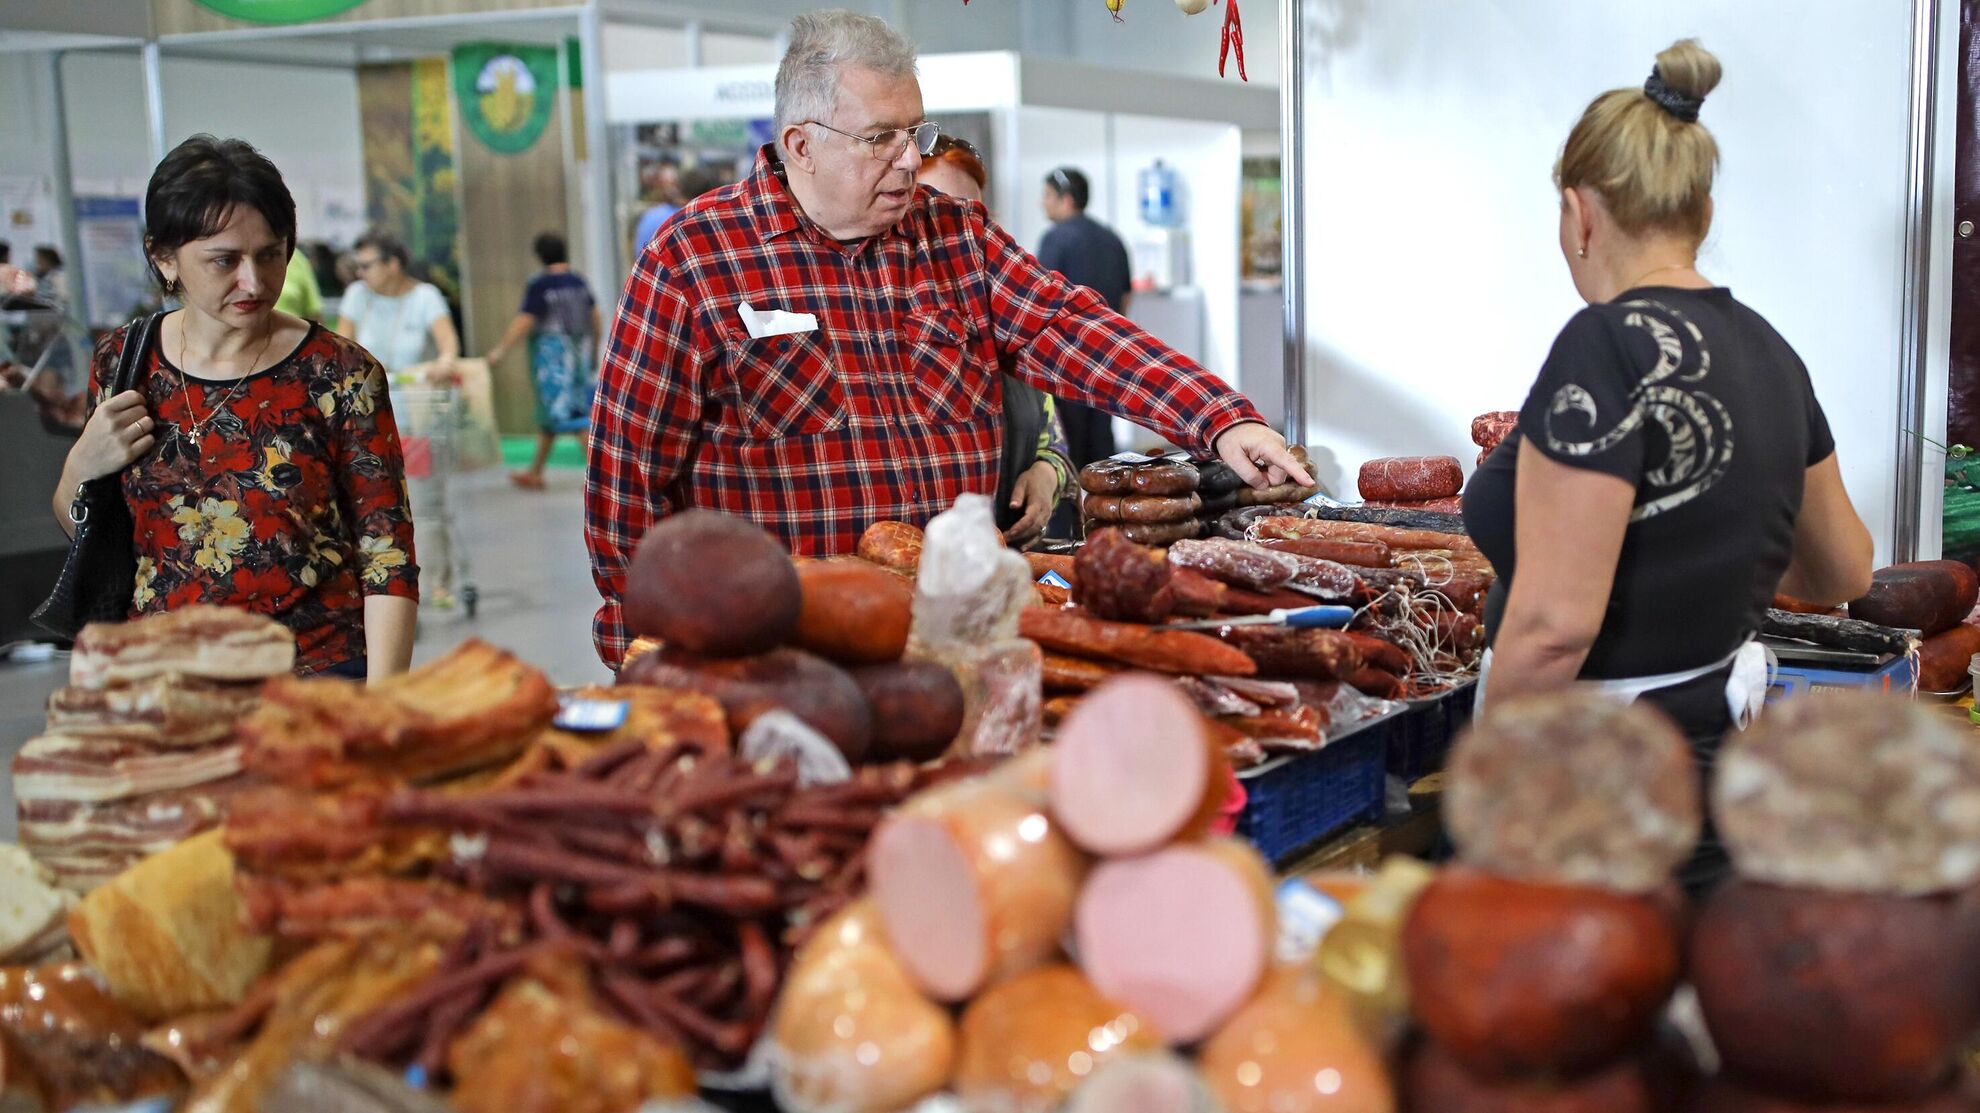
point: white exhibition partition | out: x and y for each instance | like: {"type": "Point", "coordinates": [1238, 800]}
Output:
{"type": "Point", "coordinates": [1433, 278]}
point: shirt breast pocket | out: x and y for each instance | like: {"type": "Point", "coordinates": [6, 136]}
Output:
{"type": "Point", "coordinates": [950, 385]}
{"type": "Point", "coordinates": [786, 386]}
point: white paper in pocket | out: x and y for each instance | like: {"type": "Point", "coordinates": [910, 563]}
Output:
{"type": "Point", "coordinates": [775, 322]}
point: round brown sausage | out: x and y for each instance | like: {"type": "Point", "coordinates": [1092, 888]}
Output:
{"type": "Point", "coordinates": [712, 584]}
{"type": "Point", "coordinates": [853, 612]}
{"type": "Point", "coordinates": [820, 693]}
{"type": "Point", "coordinates": [917, 709]}
{"type": "Point", "coordinates": [1141, 508]}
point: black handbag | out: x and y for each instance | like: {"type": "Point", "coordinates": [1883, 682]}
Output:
{"type": "Point", "coordinates": [101, 571]}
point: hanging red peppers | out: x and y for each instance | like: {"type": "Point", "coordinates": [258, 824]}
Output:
{"type": "Point", "coordinates": [1233, 40]}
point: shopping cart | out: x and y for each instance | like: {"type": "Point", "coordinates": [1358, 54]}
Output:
{"type": "Point", "coordinates": [432, 421]}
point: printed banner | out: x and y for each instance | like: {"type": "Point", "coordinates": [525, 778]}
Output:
{"type": "Point", "coordinates": [279, 11]}
{"type": "Point", "coordinates": [505, 92]}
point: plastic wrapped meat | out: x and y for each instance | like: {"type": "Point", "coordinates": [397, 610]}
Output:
{"type": "Point", "coordinates": [1852, 793]}
{"type": "Point", "coordinates": [1003, 686]}
{"type": "Point", "coordinates": [971, 588]}
{"type": "Point", "coordinates": [1236, 563]}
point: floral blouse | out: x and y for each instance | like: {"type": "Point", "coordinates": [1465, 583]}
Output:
{"type": "Point", "coordinates": [291, 501]}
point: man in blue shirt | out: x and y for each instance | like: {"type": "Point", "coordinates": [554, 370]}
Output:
{"type": "Point", "coordinates": [1089, 253]}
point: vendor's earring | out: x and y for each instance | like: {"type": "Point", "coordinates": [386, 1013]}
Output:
{"type": "Point", "coordinates": [1581, 253]}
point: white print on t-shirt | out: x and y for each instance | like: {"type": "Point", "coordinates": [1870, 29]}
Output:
{"type": "Point", "coordinates": [1698, 427]}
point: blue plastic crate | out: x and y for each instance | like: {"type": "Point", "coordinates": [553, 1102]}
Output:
{"type": "Point", "coordinates": [1297, 801]}
{"type": "Point", "coordinates": [1424, 733]}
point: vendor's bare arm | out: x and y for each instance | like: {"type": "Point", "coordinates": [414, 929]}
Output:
{"type": "Point", "coordinates": [1832, 548]}
{"type": "Point", "coordinates": [1571, 523]}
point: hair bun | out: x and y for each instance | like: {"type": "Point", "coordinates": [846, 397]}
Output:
{"type": "Point", "coordinates": [1685, 74]}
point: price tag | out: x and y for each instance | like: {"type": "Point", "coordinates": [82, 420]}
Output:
{"type": "Point", "coordinates": [1306, 915]}
{"type": "Point", "coordinates": [591, 715]}
{"type": "Point", "coordinates": [1053, 579]}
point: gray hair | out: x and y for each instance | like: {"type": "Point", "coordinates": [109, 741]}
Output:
{"type": "Point", "coordinates": [824, 44]}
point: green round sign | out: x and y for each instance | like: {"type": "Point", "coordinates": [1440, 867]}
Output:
{"type": "Point", "coordinates": [279, 11]}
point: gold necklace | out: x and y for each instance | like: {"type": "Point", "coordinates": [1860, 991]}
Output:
{"type": "Point", "coordinates": [185, 388]}
{"type": "Point", "coordinates": [1631, 285]}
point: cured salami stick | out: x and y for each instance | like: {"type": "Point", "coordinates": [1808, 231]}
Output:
{"type": "Point", "coordinates": [1134, 768]}
{"type": "Point", "coordinates": [1838, 633]}
{"type": "Point", "coordinates": [1395, 537]}
{"type": "Point", "coordinates": [1139, 917]}
{"type": "Point", "coordinates": [1378, 516]}
{"type": "Point", "coordinates": [1314, 654]}
{"type": "Point", "coordinates": [1076, 674]}
{"type": "Point", "coordinates": [1235, 563]}
{"type": "Point", "coordinates": [1361, 554]}
{"type": "Point", "coordinates": [1411, 478]}
{"type": "Point", "coordinates": [1173, 651]}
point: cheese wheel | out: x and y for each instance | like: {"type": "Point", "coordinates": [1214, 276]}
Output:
{"type": "Point", "coordinates": [1183, 936]}
{"type": "Point", "coordinates": [975, 883]}
{"type": "Point", "coordinates": [851, 1033]}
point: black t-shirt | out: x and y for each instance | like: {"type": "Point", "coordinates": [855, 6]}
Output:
{"type": "Point", "coordinates": [1695, 399]}
{"type": "Point", "coordinates": [1089, 254]}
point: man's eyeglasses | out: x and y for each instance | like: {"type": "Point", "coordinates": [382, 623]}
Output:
{"type": "Point", "coordinates": [891, 144]}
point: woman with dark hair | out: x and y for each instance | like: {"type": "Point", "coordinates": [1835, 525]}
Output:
{"type": "Point", "coordinates": [397, 318]}
{"type": "Point", "coordinates": [1035, 473]}
{"type": "Point", "coordinates": [259, 454]}
{"type": "Point", "coordinates": [560, 318]}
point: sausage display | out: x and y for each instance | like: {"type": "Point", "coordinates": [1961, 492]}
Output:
{"type": "Point", "coordinates": [895, 545]}
{"type": "Point", "coordinates": [1411, 478]}
{"type": "Point", "coordinates": [1183, 935]}
{"type": "Point", "coordinates": [1074, 632]}
{"type": "Point", "coordinates": [1574, 788]}
{"type": "Point", "coordinates": [1133, 767]}
{"type": "Point", "coordinates": [1837, 996]}
{"type": "Point", "coordinates": [815, 690]}
{"type": "Point", "coordinates": [917, 709]}
{"type": "Point", "coordinates": [1518, 978]}
{"type": "Point", "coordinates": [1397, 538]}
{"type": "Point", "coordinates": [1433, 1081]}
{"type": "Point", "coordinates": [1451, 505]}
{"type": "Point", "coordinates": [1236, 563]}
{"type": "Point", "coordinates": [1076, 674]}
{"type": "Point", "coordinates": [1140, 508]}
{"type": "Point", "coordinates": [1164, 477]}
{"type": "Point", "coordinates": [1296, 1030]}
{"type": "Point", "coordinates": [1943, 659]}
{"type": "Point", "coordinates": [1929, 596]}
{"type": "Point", "coordinates": [712, 584]}
{"type": "Point", "coordinates": [1361, 554]}
{"type": "Point", "coordinates": [1837, 633]}
{"type": "Point", "coordinates": [1852, 793]}
{"type": "Point", "coordinates": [853, 613]}
{"type": "Point", "coordinates": [1026, 1044]}
{"type": "Point", "coordinates": [1267, 496]}
{"type": "Point", "coordinates": [974, 884]}
{"type": "Point", "coordinates": [1199, 596]}
{"type": "Point", "coordinates": [845, 991]}
{"type": "Point", "coordinates": [1153, 533]}
{"type": "Point", "coordinates": [1378, 516]}
{"type": "Point", "coordinates": [1118, 579]}
{"type": "Point", "coordinates": [1309, 654]}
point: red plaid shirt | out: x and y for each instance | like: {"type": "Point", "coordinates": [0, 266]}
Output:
{"type": "Point", "coordinates": [889, 410]}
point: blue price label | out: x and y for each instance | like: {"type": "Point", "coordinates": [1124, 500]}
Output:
{"type": "Point", "coordinates": [590, 715]}
{"type": "Point", "coordinates": [1055, 580]}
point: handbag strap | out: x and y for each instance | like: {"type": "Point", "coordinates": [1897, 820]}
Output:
{"type": "Point", "coordinates": [137, 340]}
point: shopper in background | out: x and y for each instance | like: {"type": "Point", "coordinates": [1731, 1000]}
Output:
{"type": "Point", "coordinates": [259, 453]}
{"type": "Point", "coordinates": [876, 400]}
{"type": "Point", "coordinates": [51, 280]}
{"type": "Point", "coordinates": [1036, 473]}
{"type": "Point", "coordinates": [665, 199]}
{"type": "Point", "coordinates": [301, 297]}
{"type": "Point", "coordinates": [1089, 254]}
{"type": "Point", "coordinates": [1672, 469]}
{"type": "Point", "coordinates": [559, 318]}
{"type": "Point", "coordinates": [395, 316]}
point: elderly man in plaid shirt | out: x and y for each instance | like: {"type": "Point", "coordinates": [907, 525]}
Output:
{"type": "Point", "coordinates": [816, 347]}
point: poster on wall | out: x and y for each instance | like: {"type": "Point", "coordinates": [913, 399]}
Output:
{"type": "Point", "coordinates": [409, 168]}
{"type": "Point", "coordinates": [110, 232]}
{"type": "Point", "coordinates": [506, 92]}
{"type": "Point", "coordinates": [279, 11]}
